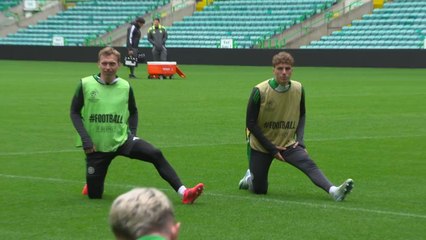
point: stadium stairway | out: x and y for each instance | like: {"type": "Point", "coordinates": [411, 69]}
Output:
{"type": "Point", "coordinates": [81, 24]}
{"type": "Point", "coordinates": [246, 22]}
{"type": "Point", "coordinates": [400, 24]}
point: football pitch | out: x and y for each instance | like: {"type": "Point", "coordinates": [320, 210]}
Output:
{"type": "Point", "coordinates": [364, 123]}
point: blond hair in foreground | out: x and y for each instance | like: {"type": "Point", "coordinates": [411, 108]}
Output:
{"type": "Point", "coordinates": [140, 212]}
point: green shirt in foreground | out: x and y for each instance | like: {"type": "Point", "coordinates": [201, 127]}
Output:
{"type": "Point", "coordinates": [152, 237]}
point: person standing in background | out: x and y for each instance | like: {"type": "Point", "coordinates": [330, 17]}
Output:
{"type": "Point", "coordinates": [133, 38]}
{"type": "Point", "coordinates": [157, 36]}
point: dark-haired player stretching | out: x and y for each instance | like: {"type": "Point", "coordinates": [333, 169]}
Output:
{"type": "Point", "coordinates": [276, 122]}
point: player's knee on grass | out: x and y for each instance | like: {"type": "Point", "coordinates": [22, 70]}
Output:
{"type": "Point", "coordinates": [95, 187]}
{"type": "Point", "coordinates": [260, 187]}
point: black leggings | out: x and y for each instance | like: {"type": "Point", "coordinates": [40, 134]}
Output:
{"type": "Point", "coordinates": [97, 164]}
{"type": "Point", "coordinates": [297, 157]}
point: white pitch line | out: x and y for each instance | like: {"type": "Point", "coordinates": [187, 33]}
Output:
{"type": "Point", "coordinates": [39, 152]}
{"type": "Point", "coordinates": [325, 206]}
{"type": "Point", "coordinates": [213, 144]}
{"type": "Point", "coordinates": [259, 199]}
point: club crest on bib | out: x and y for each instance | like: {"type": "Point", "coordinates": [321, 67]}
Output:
{"type": "Point", "coordinates": [270, 105]}
{"type": "Point", "coordinates": [94, 96]}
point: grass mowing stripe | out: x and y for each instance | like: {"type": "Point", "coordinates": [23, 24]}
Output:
{"type": "Point", "coordinates": [217, 144]}
{"type": "Point", "coordinates": [261, 199]}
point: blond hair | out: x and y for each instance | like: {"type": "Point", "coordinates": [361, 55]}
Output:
{"type": "Point", "coordinates": [140, 212]}
{"type": "Point", "coordinates": [106, 51]}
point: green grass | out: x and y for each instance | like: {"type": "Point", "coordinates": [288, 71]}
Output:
{"type": "Point", "coordinates": [368, 124]}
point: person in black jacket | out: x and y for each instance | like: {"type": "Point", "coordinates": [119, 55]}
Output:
{"type": "Point", "coordinates": [133, 37]}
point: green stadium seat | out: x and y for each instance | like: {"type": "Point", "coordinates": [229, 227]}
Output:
{"type": "Point", "coordinates": [247, 22]}
{"type": "Point", "coordinates": [87, 20]}
{"type": "Point", "coordinates": [399, 24]}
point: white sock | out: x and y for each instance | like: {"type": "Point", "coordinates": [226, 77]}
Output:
{"type": "Point", "coordinates": [332, 189]}
{"type": "Point", "coordinates": [181, 190]}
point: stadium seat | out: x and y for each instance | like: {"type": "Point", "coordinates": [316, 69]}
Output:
{"type": "Point", "coordinates": [82, 23]}
{"type": "Point", "coordinates": [400, 24]}
{"type": "Point", "coordinates": [247, 22]}
{"type": "Point", "coordinates": [6, 4]}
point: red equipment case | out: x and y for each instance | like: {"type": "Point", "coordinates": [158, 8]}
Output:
{"type": "Point", "coordinates": [163, 70]}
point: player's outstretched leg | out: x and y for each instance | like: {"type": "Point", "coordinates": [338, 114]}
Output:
{"type": "Point", "coordinates": [191, 194]}
{"type": "Point", "coordinates": [339, 193]}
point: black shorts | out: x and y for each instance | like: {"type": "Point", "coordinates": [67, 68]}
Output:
{"type": "Point", "coordinates": [98, 162]}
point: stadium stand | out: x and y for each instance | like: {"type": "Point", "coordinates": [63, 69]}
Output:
{"type": "Point", "coordinates": [246, 22]}
{"type": "Point", "coordinates": [6, 4]}
{"type": "Point", "coordinates": [400, 24]}
{"type": "Point", "coordinates": [82, 23]}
